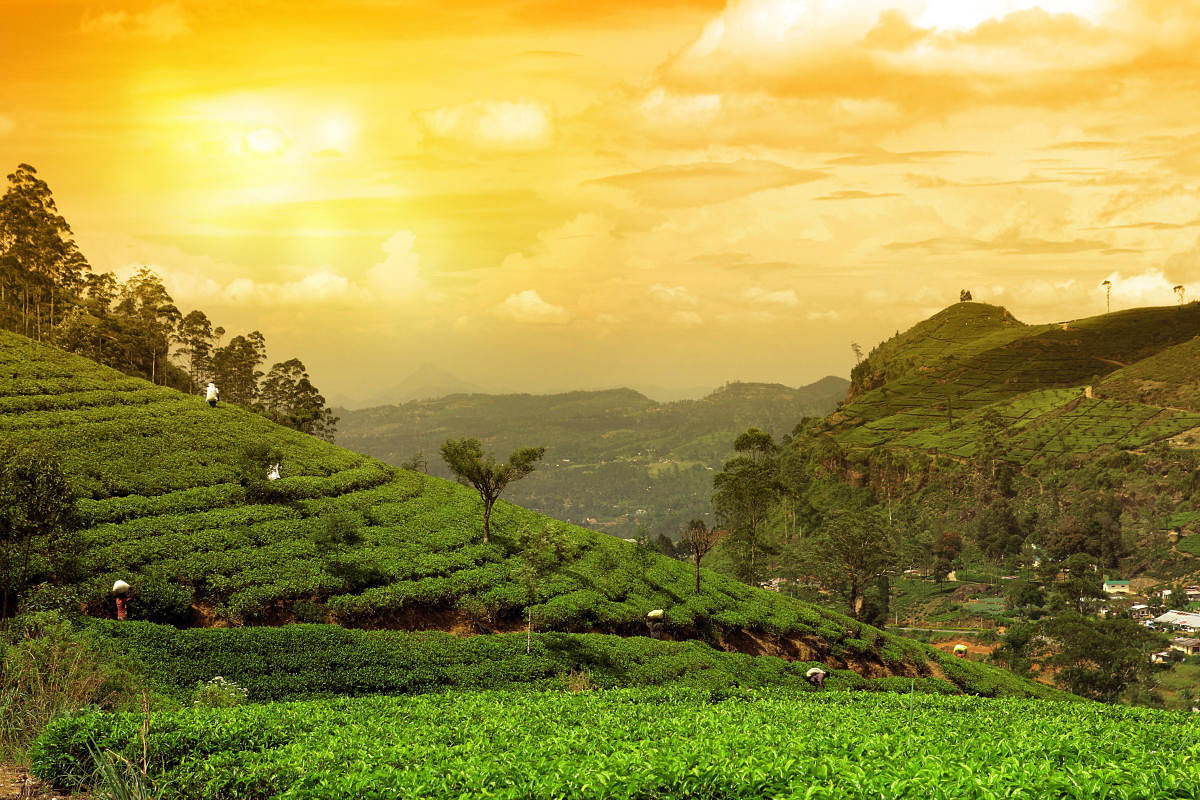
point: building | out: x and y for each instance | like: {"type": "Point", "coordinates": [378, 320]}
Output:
{"type": "Point", "coordinates": [1183, 620]}
{"type": "Point", "coordinates": [1117, 587]}
{"type": "Point", "coordinates": [1189, 647]}
{"type": "Point", "coordinates": [1139, 611]}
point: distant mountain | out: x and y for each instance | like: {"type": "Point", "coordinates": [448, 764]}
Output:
{"type": "Point", "coordinates": [426, 382]}
{"type": "Point", "coordinates": [616, 457]}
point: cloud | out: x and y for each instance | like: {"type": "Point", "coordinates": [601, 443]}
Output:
{"type": "Point", "coordinates": [854, 194]}
{"type": "Point", "coordinates": [780, 297]}
{"type": "Point", "coordinates": [823, 316]}
{"type": "Point", "coordinates": [398, 275]}
{"type": "Point", "coordinates": [498, 125]}
{"type": "Point", "coordinates": [161, 23]}
{"type": "Point", "coordinates": [686, 319]}
{"type": "Point", "coordinates": [1005, 244]}
{"type": "Point", "coordinates": [528, 306]}
{"type": "Point", "coordinates": [672, 295]}
{"type": "Point", "coordinates": [1149, 288]}
{"type": "Point", "coordinates": [707, 182]}
{"type": "Point", "coordinates": [880, 157]}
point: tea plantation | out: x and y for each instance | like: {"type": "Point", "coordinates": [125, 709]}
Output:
{"type": "Point", "coordinates": [644, 743]}
{"type": "Point", "coordinates": [161, 482]}
{"type": "Point", "coordinates": [973, 370]}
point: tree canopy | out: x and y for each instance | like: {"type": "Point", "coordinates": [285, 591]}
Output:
{"type": "Point", "coordinates": [466, 459]}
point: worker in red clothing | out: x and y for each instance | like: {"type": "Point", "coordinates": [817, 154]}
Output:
{"type": "Point", "coordinates": [120, 592]}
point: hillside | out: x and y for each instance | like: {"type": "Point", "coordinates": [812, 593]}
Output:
{"type": "Point", "coordinates": [1169, 378]}
{"type": "Point", "coordinates": [629, 465]}
{"type": "Point", "coordinates": [1026, 380]}
{"type": "Point", "coordinates": [158, 474]}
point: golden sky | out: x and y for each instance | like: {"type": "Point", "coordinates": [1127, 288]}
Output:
{"type": "Point", "coordinates": [553, 194]}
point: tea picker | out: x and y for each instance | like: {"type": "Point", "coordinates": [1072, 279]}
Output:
{"type": "Point", "coordinates": [211, 394]}
{"type": "Point", "coordinates": [816, 676]}
{"type": "Point", "coordinates": [121, 591]}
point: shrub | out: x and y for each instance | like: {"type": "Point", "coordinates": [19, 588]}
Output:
{"type": "Point", "coordinates": [218, 693]}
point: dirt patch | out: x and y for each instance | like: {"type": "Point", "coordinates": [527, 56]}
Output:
{"type": "Point", "coordinates": [973, 648]}
{"type": "Point", "coordinates": [17, 784]}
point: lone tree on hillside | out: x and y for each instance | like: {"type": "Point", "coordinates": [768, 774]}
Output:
{"type": "Point", "coordinates": [466, 459]}
{"type": "Point", "coordinates": [699, 539]}
{"type": "Point", "coordinates": [964, 296]}
{"type": "Point", "coordinates": [1107, 296]}
{"type": "Point", "coordinates": [1179, 290]}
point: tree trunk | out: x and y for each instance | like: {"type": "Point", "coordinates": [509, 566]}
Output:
{"type": "Point", "coordinates": [487, 518]}
{"type": "Point", "coordinates": [697, 559]}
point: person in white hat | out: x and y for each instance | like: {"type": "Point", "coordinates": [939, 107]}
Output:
{"type": "Point", "coordinates": [816, 676]}
{"type": "Point", "coordinates": [120, 592]}
{"type": "Point", "coordinates": [211, 394]}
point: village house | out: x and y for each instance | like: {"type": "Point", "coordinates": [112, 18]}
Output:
{"type": "Point", "coordinates": [1117, 587]}
{"type": "Point", "coordinates": [1189, 647]}
{"type": "Point", "coordinates": [1139, 611]}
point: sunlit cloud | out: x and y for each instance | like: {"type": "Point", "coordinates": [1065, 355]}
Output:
{"type": "Point", "coordinates": [528, 306]}
{"type": "Point", "coordinates": [672, 295]}
{"type": "Point", "coordinates": [519, 126]}
{"type": "Point", "coordinates": [160, 23]}
{"type": "Point", "coordinates": [767, 297]}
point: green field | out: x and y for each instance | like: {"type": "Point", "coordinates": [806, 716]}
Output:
{"type": "Point", "coordinates": [647, 743]}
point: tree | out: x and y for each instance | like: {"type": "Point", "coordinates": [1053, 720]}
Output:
{"type": "Point", "coordinates": [699, 539]}
{"type": "Point", "coordinates": [1107, 295]}
{"type": "Point", "coordinates": [852, 549]}
{"type": "Point", "coordinates": [541, 550]}
{"type": "Point", "coordinates": [235, 368]}
{"type": "Point", "coordinates": [197, 338]}
{"type": "Point", "coordinates": [39, 261]}
{"type": "Point", "coordinates": [37, 515]}
{"type": "Point", "coordinates": [1179, 291]}
{"type": "Point", "coordinates": [857, 350]}
{"type": "Point", "coordinates": [945, 550]}
{"type": "Point", "coordinates": [466, 459]}
{"type": "Point", "coordinates": [152, 318]}
{"type": "Point", "coordinates": [1095, 658]}
{"type": "Point", "coordinates": [289, 398]}
{"type": "Point", "coordinates": [964, 296]}
{"type": "Point", "coordinates": [744, 493]}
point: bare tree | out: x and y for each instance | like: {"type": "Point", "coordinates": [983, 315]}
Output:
{"type": "Point", "coordinates": [1107, 296]}
{"type": "Point", "coordinates": [699, 539]}
{"type": "Point", "coordinates": [857, 350]}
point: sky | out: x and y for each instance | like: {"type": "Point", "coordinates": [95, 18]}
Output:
{"type": "Point", "coordinates": [542, 195]}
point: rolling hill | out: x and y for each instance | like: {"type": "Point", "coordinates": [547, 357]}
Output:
{"type": "Point", "coordinates": [162, 481]}
{"type": "Point", "coordinates": [615, 460]}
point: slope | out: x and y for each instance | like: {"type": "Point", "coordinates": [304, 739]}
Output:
{"type": "Point", "coordinates": [626, 463]}
{"type": "Point", "coordinates": [1169, 378]}
{"type": "Point", "coordinates": [159, 479]}
{"type": "Point", "coordinates": [1028, 380]}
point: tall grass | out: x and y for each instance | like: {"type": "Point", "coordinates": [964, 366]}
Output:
{"type": "Point", "coordinates": [45, 671]}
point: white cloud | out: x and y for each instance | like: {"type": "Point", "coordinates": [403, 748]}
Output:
{"type": "Point", "coordinates": [686, 319]}
{"type": "Point", "coordinates": [779, 297]}
{"type": "Point", "coordinates": [672, 295]}
{"type": "Point", "coordinates": [528, 306]}
{"type": "Point", "coordinates": [823, 316]}
{"type": "Point", "coordinates": [161, 23]}
{"type": "Point", "coordinates": [521, 126]}
{"type": "Point", "coordinates": [1149, 288]}
{"type": "Point", "coordinates": [400, 273]}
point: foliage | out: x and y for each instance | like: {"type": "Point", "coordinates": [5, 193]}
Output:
{"type": "Point", "coordinates": [643, 743]}
{"type": "Point", "coordinates": [37, 516]}
{"type": "Point", "coordinates": [1096, 658]}
{"type": "Point", "coordinates": [466, 460]}
{"type": "Point", "coordinates": [46, 670]}
{"type": "Point", "coordinates": [217, 692]}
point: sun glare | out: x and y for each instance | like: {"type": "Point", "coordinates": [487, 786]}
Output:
{"type": "Point", "coordinates": [266, 141]}
{"type": "Point", "coordinates": [335, 132]}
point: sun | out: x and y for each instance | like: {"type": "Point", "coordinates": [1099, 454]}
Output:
{"type": "Point", "coordinates": [266, 141]}
{"type": "Point", "coordinates": [335, 132]}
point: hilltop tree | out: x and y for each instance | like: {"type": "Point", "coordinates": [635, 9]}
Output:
{"type": "Point", "coordinates": [289, 398]}
{"type": "Point", "coordinates": [964, 296]}
{"type": "Point", "coordinates": [40, 265]}
{"type": "Point", "coordinates": [1179, 291]}
{"type": "Point", "coordinates": [858, 352]}
{"type": "Point", "coordinates": [466, 459]}
{"type": "Point", "coordinates": [151, 317]}
{"type": "Point", "coordinates": [1107, 296]}
{"type": "Point", "coordinates": [699, 539]}
{"type": "Point", "coordinates": [197, 339]}
{"type": "Point", "coordinates": [235, 367]}
{"type": "Point", "coordinates": [37, 514]}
